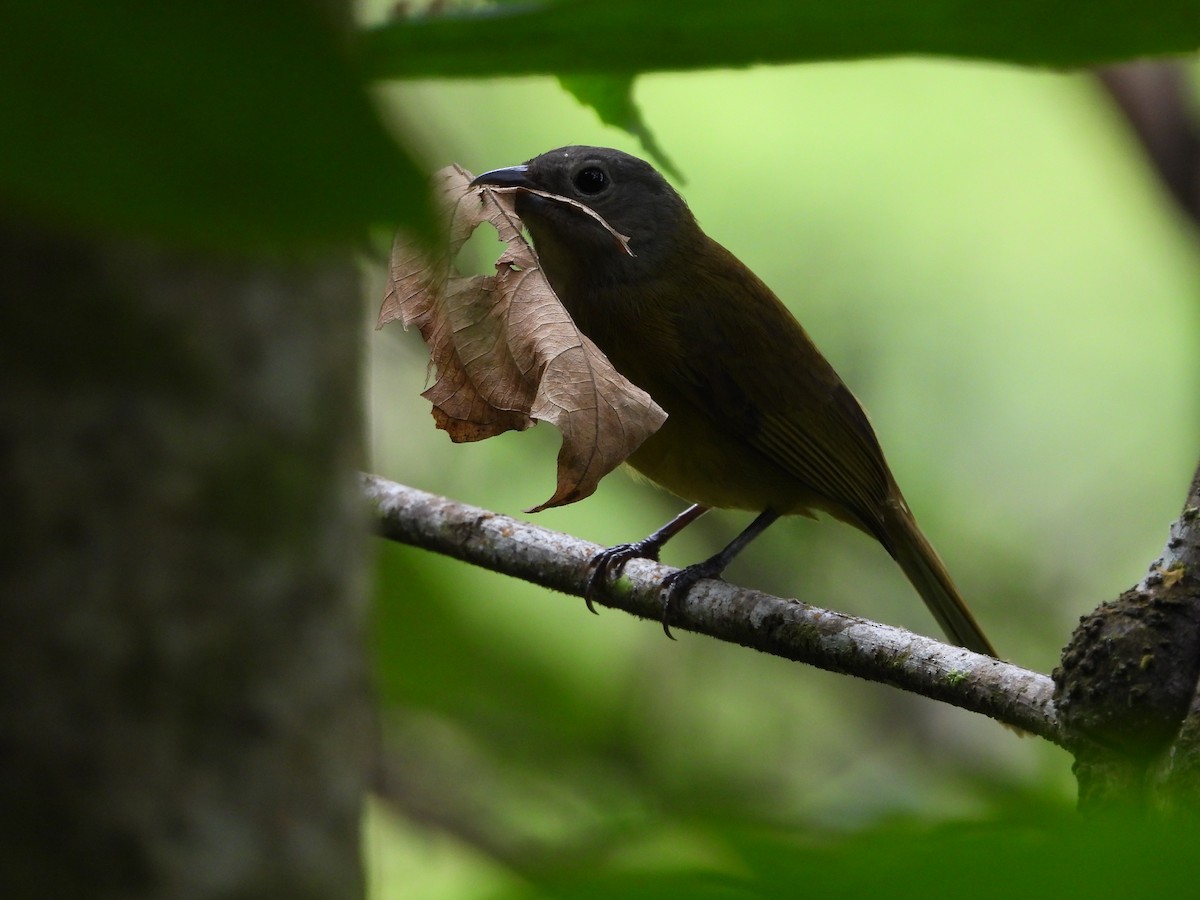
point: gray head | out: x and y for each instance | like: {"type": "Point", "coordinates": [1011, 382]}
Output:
{"type": "Point", "coordinates": [625, 191]}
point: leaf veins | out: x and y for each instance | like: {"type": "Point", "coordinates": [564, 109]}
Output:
{"type": "Point", "coordinates": [506, 353]}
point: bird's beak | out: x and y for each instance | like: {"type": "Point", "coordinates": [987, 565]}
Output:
{"type": "Point", "coordinates": [512, 177]}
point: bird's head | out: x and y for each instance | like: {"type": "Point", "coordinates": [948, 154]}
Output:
{"type": "Point", "coordinates": [627, 192]}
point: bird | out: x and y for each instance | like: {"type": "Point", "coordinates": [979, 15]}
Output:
{"type": "Point", "coordinates": [757, 418]}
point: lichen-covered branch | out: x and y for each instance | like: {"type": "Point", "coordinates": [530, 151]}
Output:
{"type": "Point", "coordinates": [1177, 776]}
{"type": "Point", "coordinates": [1127, 686]}
{"type": "Point", "coordinates": [785, 628]}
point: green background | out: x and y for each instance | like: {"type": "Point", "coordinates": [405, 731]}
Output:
{"type": "Point", "coordinates": [982, 253]}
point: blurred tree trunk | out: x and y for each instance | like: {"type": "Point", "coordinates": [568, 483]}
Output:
{"type": "Point", "coordinates": [1128, 688]}
{"type": "Point", "coordinates": [182, 691]}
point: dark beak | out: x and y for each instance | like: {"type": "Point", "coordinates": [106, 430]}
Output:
{"type": "Point", "coordinates": [513, 176]}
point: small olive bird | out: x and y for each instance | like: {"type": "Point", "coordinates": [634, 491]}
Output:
{"type": "Point", "coordinates": [757, 418]}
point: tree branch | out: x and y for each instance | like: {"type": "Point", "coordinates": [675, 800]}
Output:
{"type": "Point", "coordinates": [1157, 101]}
{"type": "Point", "coordinates": [1128, 688]}
{"type": "Point", "coordinates": [785, 628]}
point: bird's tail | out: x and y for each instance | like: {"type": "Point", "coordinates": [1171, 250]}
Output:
{"type": "Point", "coordinates": [925, 569]}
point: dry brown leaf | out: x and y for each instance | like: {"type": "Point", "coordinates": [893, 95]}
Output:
{"type": "Point", "coordinates": [506, 353]}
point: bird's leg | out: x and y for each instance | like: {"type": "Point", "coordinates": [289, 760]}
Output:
{"type": "Point", "coordinates": [676, 585]}
{"type": "Point", "coordinates": [610, 562]}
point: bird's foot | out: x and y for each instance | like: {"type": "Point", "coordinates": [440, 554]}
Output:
{"type": "Point", "coordinates": [608, 564]}
{"type": "Point", "coordinates": [677, 585]}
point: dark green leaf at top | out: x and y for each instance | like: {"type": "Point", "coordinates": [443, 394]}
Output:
{"type": "Point", "coordinates": [239, 126]}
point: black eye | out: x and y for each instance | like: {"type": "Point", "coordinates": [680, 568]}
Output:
{"type": "Point", "coordinates": [591, 180]}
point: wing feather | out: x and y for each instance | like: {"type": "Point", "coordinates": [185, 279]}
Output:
{"type": "Point", "coordinates": [788, 402]}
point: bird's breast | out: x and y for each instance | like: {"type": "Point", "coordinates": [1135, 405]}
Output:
{"type": "Point", "coordinates": [702, 452]}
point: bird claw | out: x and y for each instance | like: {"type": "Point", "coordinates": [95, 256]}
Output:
{"type": "Point", "coordinates": [674, 588]}
{"type": "Point", "coordinates": [609, 564]}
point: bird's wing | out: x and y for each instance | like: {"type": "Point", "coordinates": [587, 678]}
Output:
{"type": "Point", "coordinates": [754, 359]}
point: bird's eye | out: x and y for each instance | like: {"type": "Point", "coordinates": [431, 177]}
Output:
{"type": "Point", "coordinates": [591, 180]}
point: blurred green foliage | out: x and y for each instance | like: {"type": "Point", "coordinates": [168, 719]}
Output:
{"type": "Point", "coordinates": [590, 36]}
{"type": "Point", "coordinates": [983, 255]}
{"type": "Point", "coordinates": [1048, 855]}
{"type": "Point", "coordinates": [242, 127]}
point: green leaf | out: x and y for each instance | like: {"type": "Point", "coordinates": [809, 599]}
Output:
{"type": "Point", "coordinates": [1051, 855]}
{"type": "Point", "coordinates": [225, 124]}
{"type": "Point", "coordinates": [627, 36]}
{"type": "Point", "coordinates": [612, 99]}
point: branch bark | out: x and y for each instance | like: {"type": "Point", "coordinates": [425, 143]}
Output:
{"type": "Point", "coordinates": [786, 628]}
{"type": "Point", "coordinates": [1157, 101]}
{"type": "Point", "coordinates": [1128, 689]}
